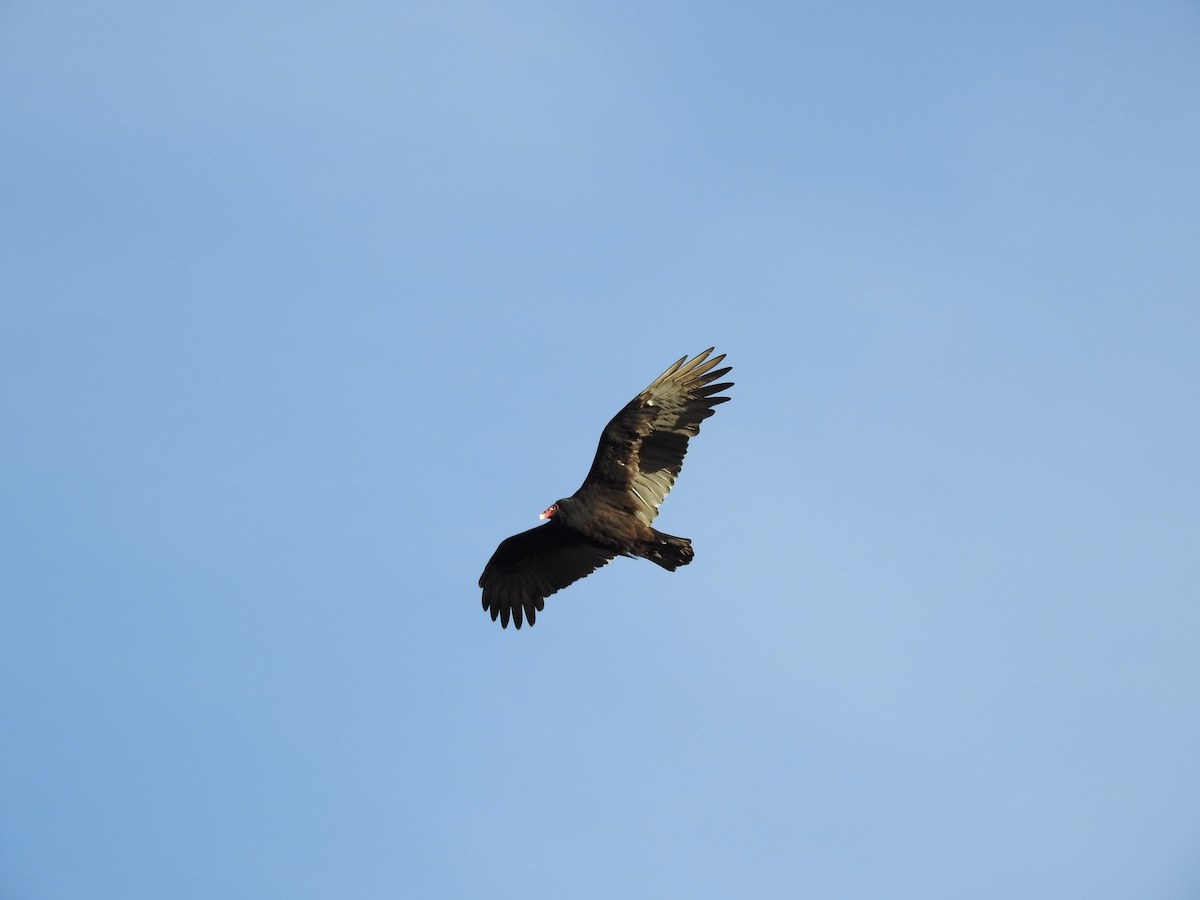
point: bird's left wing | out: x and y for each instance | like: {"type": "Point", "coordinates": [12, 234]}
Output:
{"type": "Point", "coordinates": [528, 567]}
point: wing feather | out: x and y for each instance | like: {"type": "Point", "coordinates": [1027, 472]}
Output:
{"type": "Point", "coordinates": [642, 449]}
{"type": "Point", "coordinates": [528, 567]}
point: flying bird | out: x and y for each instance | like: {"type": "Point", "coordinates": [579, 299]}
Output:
{"type": "Point", "coordinates": [640, 454]}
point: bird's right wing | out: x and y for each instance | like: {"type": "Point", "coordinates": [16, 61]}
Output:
{"type": "Point", "coordinates": [528, 567]}
{"type": "Point", "coordinates": [641, 450]}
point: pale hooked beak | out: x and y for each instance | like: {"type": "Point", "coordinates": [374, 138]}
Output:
{"type": "Point", "coordinates": [547, 513]}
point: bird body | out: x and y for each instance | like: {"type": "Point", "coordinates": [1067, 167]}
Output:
{"type": "Point", "coordinates": [640, 453]}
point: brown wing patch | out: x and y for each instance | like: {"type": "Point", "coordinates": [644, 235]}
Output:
{"type": "Point", "coordinates": [641, 450]}
{"type": "Point", "coordinates": [680, 399]}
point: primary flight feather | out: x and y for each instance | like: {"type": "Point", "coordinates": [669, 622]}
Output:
{"type": "Point", "coordinates": [640, 454]}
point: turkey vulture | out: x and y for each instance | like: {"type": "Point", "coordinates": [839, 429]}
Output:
{"type": "Point", "coordinates": [640, 454]}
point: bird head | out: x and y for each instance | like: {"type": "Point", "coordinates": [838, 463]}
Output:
{"type": "Point", "coordinates": [563, 509]}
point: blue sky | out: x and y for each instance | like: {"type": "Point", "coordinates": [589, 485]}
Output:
{"type": "Point", "coordinates": [309, 306]}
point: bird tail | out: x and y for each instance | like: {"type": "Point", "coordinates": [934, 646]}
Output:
{"type": "Point", "coordinates": [668, 551]}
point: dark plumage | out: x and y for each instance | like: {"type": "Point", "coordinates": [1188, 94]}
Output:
{"type": "Point", "coordinates": [640, 454]}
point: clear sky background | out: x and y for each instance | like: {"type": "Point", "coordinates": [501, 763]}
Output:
{"type": "Point", "coordinates": [307, 306]}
